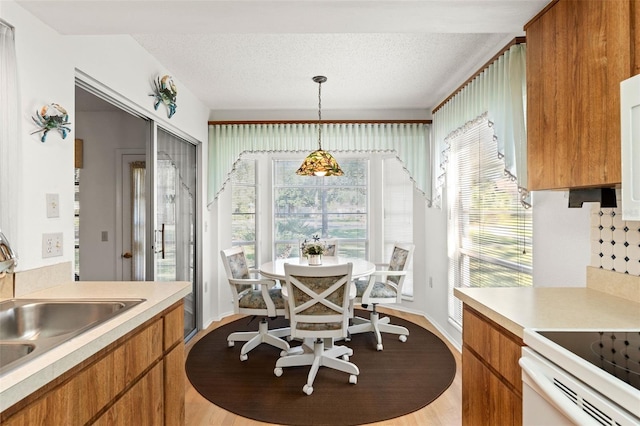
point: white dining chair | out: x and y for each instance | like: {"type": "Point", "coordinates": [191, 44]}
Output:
{"type": "Point", "coordinates": [254, 295]}
{"type": "Point", "coordinates": [318, 300]}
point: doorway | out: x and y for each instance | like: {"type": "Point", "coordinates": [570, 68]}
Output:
{"type": "Point", "coordinates": [137, 179]}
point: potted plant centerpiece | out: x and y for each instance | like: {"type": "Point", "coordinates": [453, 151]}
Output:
{"type": "Point", "coordinates": [314, 252]}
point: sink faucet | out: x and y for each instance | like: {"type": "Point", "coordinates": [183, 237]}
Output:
{"type": "Point", "coordinates": [8, 258]}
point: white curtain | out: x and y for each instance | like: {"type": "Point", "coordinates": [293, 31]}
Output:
{"type": "Point", "coordinates": [498, 94]}
{"type": "Point", "coordinates": [138, 217]}
{"type": "Point", "coordinates": [9, 134]}
{"type": "Point", "coordinates": [409, 141]}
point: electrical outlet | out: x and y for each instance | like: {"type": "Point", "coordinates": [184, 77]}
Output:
{"type": "Point", "coordinates": [53, 205]}
{"type": "Point", "coordinates": [52, 245]}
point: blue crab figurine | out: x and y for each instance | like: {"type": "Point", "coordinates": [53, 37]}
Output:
{"type": "Point", "coordinates": [165, 91]}
{"type": "Point", "coordinates": [50, 117]}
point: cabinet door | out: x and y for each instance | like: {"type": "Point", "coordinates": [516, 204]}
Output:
{"type": "Point", "coordinates": [578, 52]}
{"type": "Point", "coordinates": [486, 400]}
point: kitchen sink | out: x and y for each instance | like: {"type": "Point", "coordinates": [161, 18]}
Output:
{"type": "Point", "coordinates": [31, 327]}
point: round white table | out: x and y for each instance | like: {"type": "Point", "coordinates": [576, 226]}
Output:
{"type": "Point", "coordinates": [275, 270]}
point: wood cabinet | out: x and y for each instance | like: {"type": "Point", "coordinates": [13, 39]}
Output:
{"type": "Point", "coordinates": [491, 375]}
{"type": "Point", "coordinates": [578, 52]}
{"type": "Point", "coordinates": [136, 380]}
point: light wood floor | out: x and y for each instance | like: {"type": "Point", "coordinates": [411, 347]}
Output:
{"type": "Point", "coordinates": [445, 411]}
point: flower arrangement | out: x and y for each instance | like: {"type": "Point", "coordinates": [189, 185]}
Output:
{"type": "Point", "coordinates": [315, 248]}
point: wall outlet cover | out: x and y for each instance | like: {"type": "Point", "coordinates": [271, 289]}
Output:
{"type": "Point", "coordinates": [52, 245]}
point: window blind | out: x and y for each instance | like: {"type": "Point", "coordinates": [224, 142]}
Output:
{"type": "Point", "coordinates": [489, 229]}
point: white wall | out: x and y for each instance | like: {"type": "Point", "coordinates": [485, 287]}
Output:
{"type": "Point", "coordinates": [47, 63]}
{"type": "Point", "coordinates": [561, 241]}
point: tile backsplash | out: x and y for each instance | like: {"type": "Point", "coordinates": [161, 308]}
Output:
{"type": "Point", "coordinates": [615, 243]}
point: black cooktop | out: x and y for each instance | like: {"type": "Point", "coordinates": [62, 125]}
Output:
{"type": "Point", "coordinates": [616, 352]}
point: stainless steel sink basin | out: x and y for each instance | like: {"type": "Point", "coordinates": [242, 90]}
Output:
{"type": "Point", "coordinates": [10, 352]}
{"type": "Point", "coordinates": [30, 327]}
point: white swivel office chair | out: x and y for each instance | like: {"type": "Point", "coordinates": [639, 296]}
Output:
{"type": "Point", "coordinates": [253, 296]}
{"type": "Point", "coordinates": [318, 300]}
{"type": "Point", "coordinates": [383, 286]}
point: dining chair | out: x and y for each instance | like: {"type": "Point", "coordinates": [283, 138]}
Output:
{"type": "Point", "coordinates": [318, 300]}
{"type": "Point", "coordinates": [383, 286]}
{"type": "Point", "coordinates": [254, 295]}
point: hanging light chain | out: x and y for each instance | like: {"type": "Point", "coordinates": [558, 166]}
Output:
{"type": "Point", "coordinates": [320, 115]}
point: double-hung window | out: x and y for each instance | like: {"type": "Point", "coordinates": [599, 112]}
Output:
{"type": "Point", "coordinates": [490, 230]}
{"type": "Point", "coordinates": [243, 208]}
{"type": "Point", "coordinates": [330, 208]}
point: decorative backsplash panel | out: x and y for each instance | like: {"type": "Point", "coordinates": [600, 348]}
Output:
{"type": "Point", "coordinates": [615, 243]}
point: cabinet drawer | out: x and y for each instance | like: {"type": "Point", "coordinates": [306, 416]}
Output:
{"type": "Point", "coordinates": [499, 348]}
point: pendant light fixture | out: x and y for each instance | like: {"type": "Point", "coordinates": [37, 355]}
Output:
{"type": "Point", "coordinates": [319, 162]}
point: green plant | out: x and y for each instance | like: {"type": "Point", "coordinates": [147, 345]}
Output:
{"type": "Point", "coordinates": [310, 249]}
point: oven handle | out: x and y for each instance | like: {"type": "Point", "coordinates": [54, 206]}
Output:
{"type": "Point", "coordinates": [558, 399]}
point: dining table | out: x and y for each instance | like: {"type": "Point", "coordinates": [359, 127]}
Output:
{"type": "Point", "coordinates": [275, 269]}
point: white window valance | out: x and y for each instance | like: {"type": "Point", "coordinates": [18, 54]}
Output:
{"type": "Point", "coordinates": [409, 141]}
{"type": "Point", "coordinates": [499, 93]}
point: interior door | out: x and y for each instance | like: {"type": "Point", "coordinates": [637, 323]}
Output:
{"type": "Point", "coordinates": [130, 263]}
{"type": "Point", "coordinates": [175, 217]}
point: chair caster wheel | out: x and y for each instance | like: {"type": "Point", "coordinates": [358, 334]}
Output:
{"type": "Point", "coordinates": [353, 379]}
{"type": "Point", "coordinates": [402, 338]}
{"type": "Point", "coordinates": [284, 353]}
{"type": "Point", "coordinates": [347, 339]}
{"type": "Point", "coordinates": [277, 371]}
{"type": "Point", "coordinates": [231, 343]}
{"type": "Point", "coordinates": [244, 357]}
{"type": "Point", "coordinates": [379, 346]}
{"type": "Point", "coordinates": [307, 389]}
{"type": "Point", "coordinates": [345, 357]}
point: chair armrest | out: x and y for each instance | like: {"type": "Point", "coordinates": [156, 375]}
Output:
{"type": "Point", "coordinates": [253, 282]}
{"type": "Point", "coordinates": [265, 285]}
{"type": "Point", "coordinates": [387, 273]}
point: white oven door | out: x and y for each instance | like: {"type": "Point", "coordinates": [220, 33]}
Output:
{"type": "Point", "coordinates": [551, 396]}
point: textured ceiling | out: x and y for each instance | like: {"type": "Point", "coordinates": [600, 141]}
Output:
{"type": "Point", "coordinates": [261, 55]}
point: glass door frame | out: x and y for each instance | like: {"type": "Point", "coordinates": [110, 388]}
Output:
{"type": "Point", "coordinates": [152, 231]}
{"type": "Point", "coordinates": [96, 88]}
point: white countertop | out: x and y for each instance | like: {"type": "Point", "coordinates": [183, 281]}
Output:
{"type": "Point", "coordinates": [24, 380]}
{"type": "Point", "coordinates": [575, 308]}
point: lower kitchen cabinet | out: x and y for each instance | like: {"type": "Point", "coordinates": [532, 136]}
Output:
{"type": "Point", "coordinates": [491, 375]}
{"type": "Point", "coordinates": [136, 380]}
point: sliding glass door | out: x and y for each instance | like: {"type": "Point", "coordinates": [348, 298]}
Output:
{"type": "Point", "coordinates": [175, 217]}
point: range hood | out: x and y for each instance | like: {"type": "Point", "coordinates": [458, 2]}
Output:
{"type": "Point", "coordinates": [605, 196]}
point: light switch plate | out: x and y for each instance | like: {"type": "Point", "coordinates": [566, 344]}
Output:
{"type": "Point", "coordinates": [53, 205]}
{"type": "Point", "coordinates": [52, 245]}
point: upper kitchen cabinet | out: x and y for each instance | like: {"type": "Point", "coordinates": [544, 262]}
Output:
{"type": "Point", "coordinates": [578, 52]}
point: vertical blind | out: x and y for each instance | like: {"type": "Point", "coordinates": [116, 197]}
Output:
{"type": "Point", "coordinates": [490, 230]}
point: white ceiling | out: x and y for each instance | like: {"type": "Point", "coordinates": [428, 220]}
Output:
{"type": "Point", "coordinates": [260, 55]}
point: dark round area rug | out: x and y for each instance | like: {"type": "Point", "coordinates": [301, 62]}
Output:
{"type": "Point", "coordinates": [402, 378]}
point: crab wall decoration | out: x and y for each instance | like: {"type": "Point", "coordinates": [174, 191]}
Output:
{"type": "Point", "coordinates": [52, 117]}
{"type": "Point", "coordinates": [165, 91]}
